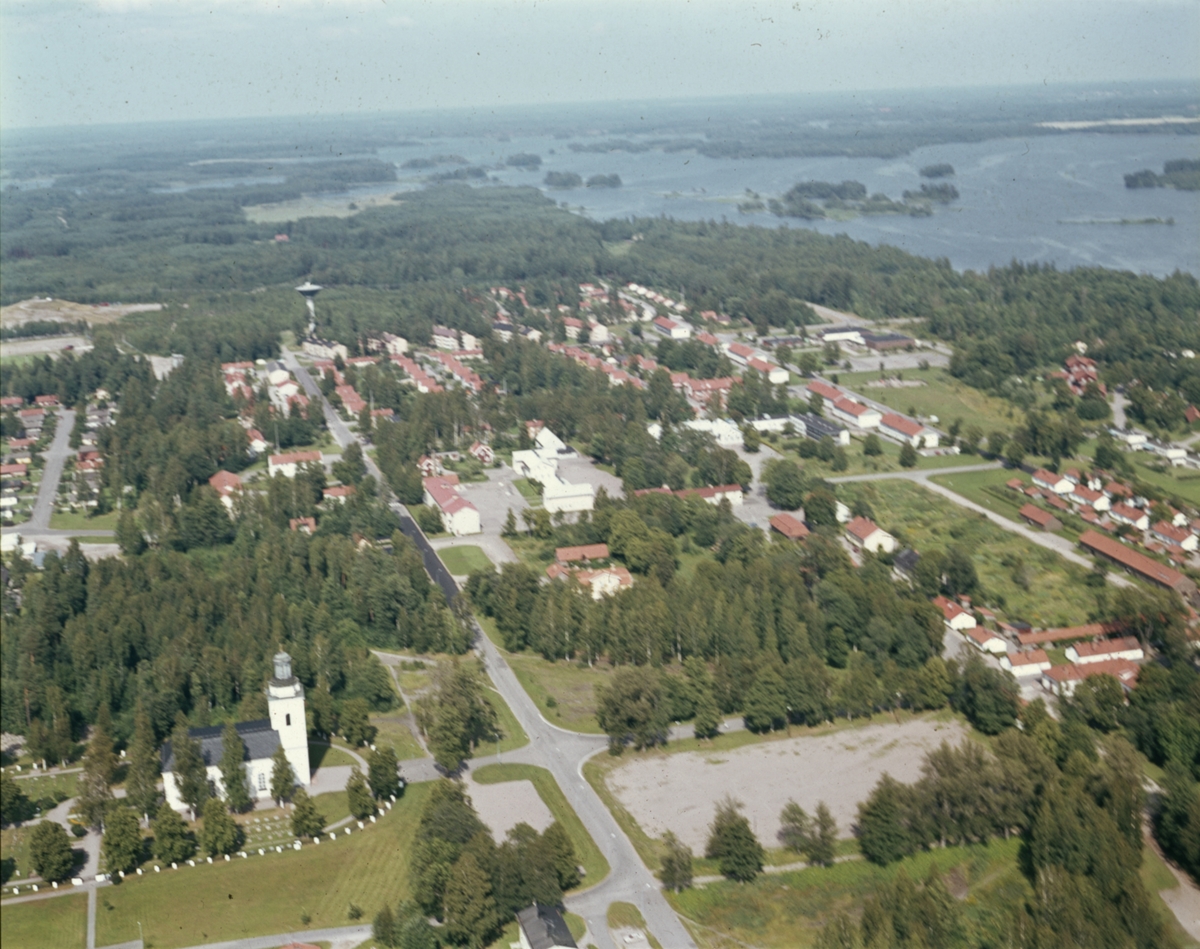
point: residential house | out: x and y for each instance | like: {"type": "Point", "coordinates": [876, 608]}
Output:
{"type": "Point", "coordinates": [607, 581]}
{"type": "Point", "coordinates": [338, 493]}
{"type": "Point", "coordinates": [985, 640]}
{"type": "Point", "coordinates": [1059, 484]}
{"type": "Point", "coordinates": [1170, 534]}
{"type": "Point", "coordinates": [776, 375]}
{"type": "Point", "coordinates": [288, 463]}
{"type": "Point", "coordinates": [671, 328]}
{"type": "Point", "coordinates": [585, 553]}
{"type": "Point", "coordinates": [953, 615]}
{"type": "Point", "coordinates": [543, 927]}
{"type": "Point", "coordinates": [824, 390]}
{"type": "Point", "coordinates": [226, 484]}
{"type": "Point", "coordinates": [1139, 564]}
{"type": "Point", "coordinates": [445, 338]}
{"type": "Point", "coordinates": [324, 348]}
{"type": "Point", "coordinates": [863, 533]}
{"type": "Point", "coordinates": [303, 525]}
{"type": "Point", "coordinates": [1126, 647]}
{"type": "Point", "coordinates": [1096, 500]}
{"type": "Point", "coordinates": [1062, 680]}
{"type": "Point", "coordinates": [855, 414]}
{"type": "Point", "coordinates": [1130, 516]}
{"type": "Point", "coordinates": [789, 526]}
{"type": "Point", "coordinates": [482, 453]}
{"type": "Point", "coordinates": [459, 516]}
{"type": "Point", "coordinates": [1022, 664]}
{"type": "Point", "coordinates": [906, 430]}
{"type": "Point", "coordinates": [572, 326]}
{"type": "Point", "coordinates": [714, 495]}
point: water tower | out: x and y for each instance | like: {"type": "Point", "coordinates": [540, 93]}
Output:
{"type": "Point", "coordinates": [309, 291]}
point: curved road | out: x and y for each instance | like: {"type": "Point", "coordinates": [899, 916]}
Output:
{"type": "Point", "coordinates": [559, 751]}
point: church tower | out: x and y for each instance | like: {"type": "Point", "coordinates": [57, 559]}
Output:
{"type": "Point", "coordinates": [285, 700]}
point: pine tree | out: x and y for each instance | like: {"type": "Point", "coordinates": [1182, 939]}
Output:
{"type": "Point", "coordinates": [510, 525]}
{"type": "Point", "coordinates": [307, 820]}
{"type": "Point", "coordinates": [676, 864]}
{"type": "Point", "coordinates": [173, 842]}
{"type": "Point", "coordinates": [383, 774]}
{"type": "Point", "coordinates": [383, 929]}
{"type": "Point", "coordinates": [141, 779]}
{"type": "Point", "coordinates": [362, 804]}
{"type": "Point", "coordinates": [471, 916]}
{"type": "Point", "coordinates": [283, 778]}
{"type": "Point", "coordinates": [191, 775]}
{"type": "Point", "coordinates": [356, 726]}
{"type": "Point", "coordinates": [566, 863]}
{"type": "Point", "coordinates": [908, 456]}
{"type": "Point", "coordinates": [122, 840]}
{"type": "Point", "coordinates": [823, 840]}
{"type": "Point", "coordinates": [795, 827]}
{"type": "Point", "coordinates": [99, 766]}
{"type": "Point", "coordinates": [707, 722]}
{"type": "Point", "coordinates": [222, 834]}
{"type": "Point", "coordinates": [733, 845]}
{"type": "Point", "coordinates": [233, 772]}
{"type": "Point", "coordinates": [50, 852]}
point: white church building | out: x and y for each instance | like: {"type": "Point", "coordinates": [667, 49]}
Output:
{"type": "Point", "coordinates": [285, 727]}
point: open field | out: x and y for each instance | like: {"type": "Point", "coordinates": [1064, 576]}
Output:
{"type": "Point", "coordinates": [45, 309]}
{"type": "Point", "coordinates": [678, 791]}
{"type": "Point", "coordinates": [321, 205]}
{"type": "Point", "coordinates": [942, 395]}
{"type": "Point", "coordinates": [625, 921]}
{"type": "Point", "coordinates": [263, 895]}
{"type": "Point", "coordinates": [326, 756]}
{"type": "Point", "coordinates": [1028, 582]}
{"type": "Point", "coordinates": [788, 909]}
{"type": "Point", "coordinates": [464, 560]}
{"type": "Point", "coordinates": [590, 858]}
{"type": "Point", "coordinates": [987, 489]}
{"type": "Point", "coordinates": [393, 730]}
{"type": "Point", "coordinates": [1184, 482]}
{"type": "Point", "coordinates": [81, 522]}
{"type": "Point", "coordinates": [59, 923]}
{"type": "Point", "coordinates": [863, 464]}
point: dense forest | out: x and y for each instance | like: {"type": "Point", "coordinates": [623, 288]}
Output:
{"type": "Point", "coordinates": [1182, 173]}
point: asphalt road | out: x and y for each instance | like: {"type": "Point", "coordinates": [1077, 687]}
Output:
{"type": "Point", "coordinates": [559, 751]}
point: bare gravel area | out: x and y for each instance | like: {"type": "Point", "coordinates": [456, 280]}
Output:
{"type": "Point", "coordinates": [678, 792]}
{"type": "Point", "coordinates": [503, 806]}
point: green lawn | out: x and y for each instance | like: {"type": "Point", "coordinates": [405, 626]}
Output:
{"type": "Point", "coordinates": [512, 734]}
{"type": "Point", "coordinates": [593, 862]}
{"type": "Point", "coordinates": [572, 686]}
{"type": "Point", "coordinates": [262, 895]}
{"type": "Point", "coordinates": [628, 916]}
{"type": "Point", "coordinates": [1027, 581]}
{"type": "Point", "coordinates": [1184, 482]}
{"type": "Point", "coordinates": [531, 494]}
{"type": "Point", "coordinates": [1157, 878]}
{"type": "Point", "coordinates": [324, 756]}
{"type": "Point", "coordinates": [81, 522]}
{"type": "Point", "coordinates": [788, 909]}
{"type": "Point", "coordinates": [463, 560]}
{"type": "Point", "coordinates": [942, 395]}
{"type": "Point", "coordinates": [56, 923]}
{"type": "Point", "coordinates": [393, 730]}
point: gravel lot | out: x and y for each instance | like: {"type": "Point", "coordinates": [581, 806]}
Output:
{"type": "Point", "coordinates": [503, 806]}
{"type": "Point", "coordinates": [678, 792]}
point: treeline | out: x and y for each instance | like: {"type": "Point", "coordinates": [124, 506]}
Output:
{"type": "Point", "coordinates": [43, 328]}
{"type": "Point", "coordinates": [1182, 173]}
{"type": "Point", "coordinates": [73, 377]}
{"type": "Point", "coordinates": [195, 634]}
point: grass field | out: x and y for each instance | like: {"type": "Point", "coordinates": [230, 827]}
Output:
{"type": "Point", "coordinates": [262, 895]}
{"type": "Point", "coordinates": [788, 909]}
{"type": "Point", "coordinates": [463, 560]}
{"type": "Point", "coordinates": [1184, 482]}
{"type": "Point", "coordinates": [1028, 582]}
{"type": "Point", "coordinates": [572, 686]}
{"type": "Point", "coordinates": [325, 756]}
{"type": "Point", "coordinates": [986, 488]}
{"type": "Point", "coordinates": [512, 734]}
{"type": "Point", "coordinates": [81, 522]}
{"type": "Point", "coordinates": [942, 395]}
{"type": "Point", "coordinates": [58, 923]}
{"type": "Point", "coordinates": [1157, 878]}
{"type": "Point", "coordinates": [393, 730]}
{"type": "Point", "coordinates": [531, 494]}
{"type": "Point", "coordinates": [628, 916]}
{"type": "Point", "coordinates": [862, 464]}
{"type": "Point", "coordinates": [590, 858]}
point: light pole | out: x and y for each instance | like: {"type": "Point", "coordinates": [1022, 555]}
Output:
{"type": "Point", "coordinates": [141, 935]}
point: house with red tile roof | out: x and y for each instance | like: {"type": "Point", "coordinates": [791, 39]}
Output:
{"type": "Point", "coordinates": [1022, 664]}
{"type": "Point", "coordinates": [1059, 484]}
{"type": "Point", "coordinates": [583, 553]}
{"type": "Point", "coordinates": [1178, 536]}
{"type": "Point", "coordinates": [1062, 680]}
{"type": "Point", "coordinates": [287, 463]}
{"type": "Point", "coordinates": [1083, 495]}
{"type": "Point", "coordinates": [906, 430]}
{"type": "Point", "coordinates": [338, 493]}
{"type": "Point", "coordinates": [985, 640]}
{"type": "Point", "coordinates": [1125, 647]}
{"type": "Point", "coordinates": [855, 414]}
{"type": "Point", "coordinates": [824, 390]}
{"type": "Point", "coordinates": [863, 533]}
{"type": "Point", "coordinates": [954, 616]}
{"type": "Point", "coordinates": [1130, 516]}
{"type": "Point", "coordinates": [1039, 518]}
{"type": "Point", "coordinates": [226, 484]}
{"type": "Point", "coordinates": [459, 516]}
{"type": "Point", "coordinates": [789, 526]}
{"type": "Point", "coordinates": [1138, 564]}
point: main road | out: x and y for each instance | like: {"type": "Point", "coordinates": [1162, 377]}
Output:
{"type": "Point", "coordinates": [559, 751]}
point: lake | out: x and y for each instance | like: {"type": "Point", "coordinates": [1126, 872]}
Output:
{"type": "Point", "coordinates": [1051, 198]}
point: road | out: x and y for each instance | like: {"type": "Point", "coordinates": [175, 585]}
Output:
{"type": "Point", "coordinates": [1060, 545]}
{"type": "Point", "coordinates": [559, 751]}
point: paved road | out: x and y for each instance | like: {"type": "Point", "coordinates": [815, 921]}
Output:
{"type": "Point", "coordinates": [560, 752]}
{"type": "Point", "coordinates": [56, 456]}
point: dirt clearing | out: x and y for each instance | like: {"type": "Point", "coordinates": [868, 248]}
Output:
{"type": "Point", "coordinates": [503, 806]}
{"type": "Point", "coordinates": [678, 792]}
{"type": "Point", "coordinates": [45, 308]}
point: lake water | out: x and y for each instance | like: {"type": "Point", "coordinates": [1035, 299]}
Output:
{"type": "Point", "coordinates": [1037, 199]}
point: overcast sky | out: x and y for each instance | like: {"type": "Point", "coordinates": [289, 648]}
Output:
{"type": "Point", "coordinates": [67, 62]}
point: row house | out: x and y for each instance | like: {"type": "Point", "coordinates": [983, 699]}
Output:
{"type": "Point", "coordinates": [906, 430]}
{"type": "Point", "coordinates": [855, 414]}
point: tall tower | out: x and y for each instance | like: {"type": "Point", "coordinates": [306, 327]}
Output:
{"type": "Point", "coordinates": [309, 291]}
{"type": "Point", "coordinates": [285, 703]}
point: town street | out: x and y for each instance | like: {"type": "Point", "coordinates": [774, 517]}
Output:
{"type": "Point", "coordinates": [559, 751]}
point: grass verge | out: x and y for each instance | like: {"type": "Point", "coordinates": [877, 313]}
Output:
{"type": "Point", "coordinates": [262, 895]}
{"type": "Point", "coordinates": [81, 522]}
{"type": "Point", "coordinates": [512, 734]}
{"type": "Point", "coordinates": [393, 730]}
{"type": "Point", "coordinates": [56, 923]}
{"type": "Point", "coordinates": [590, 857]}
{"type": "Point", "coordinates": [464, 560]}
{"type": "Point", "coordinates": [628, 916]}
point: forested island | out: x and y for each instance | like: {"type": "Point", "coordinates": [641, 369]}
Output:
{"type": "Point", "coordinates": [941, 170]}
{"type": "Point", "coordinates": [1183, 174]}
{"type": "Point", "coordinates": [849, 197]}
{"type": "Point", "coordinates": [569, 179]}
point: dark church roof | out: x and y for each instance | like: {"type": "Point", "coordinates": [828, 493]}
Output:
{"type": "Point", "coordinates": [258, 736]}
{"type": "Point", "coordinates": [545, 927]}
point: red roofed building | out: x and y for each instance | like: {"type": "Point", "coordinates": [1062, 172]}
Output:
{"type": "Point", "coordinates": [824, 390]}
{"type": "Point", "coordinates": [1192, 414]}
{"type": "Point", "coordinates": [11, 402]}
{"type": "Point", "coordinates": [459, 516]}
{"type": "Point", "coordinates": [1062, 680]}
{"type": "Point", "coordinates": [740, 352]}
{"type": "Point", "coordinates": [1130, 516]}
{"type": "Point", "coordinates": [1039, 518]}
{"type": "Point", "coordinates": [855, 414]}
{"type": "Point", "coordinates": [1064, 634]}
{"type": "Point", "coordinates": [226, 483]}
{"type": "Point", "coordinates": [338, 493]}
{"type": "Point", "coordinates": [1126, 647]}
{"type": "Point", "coordinates": [286, 464]}
{"type": "Point", "coordinates": [1022, 664]}
{"type": "Point", "coordinates": [789, 526]}
{"type": "Point", "coordinates": [863, 533]}
{"type": "Point", "coordinates": [906, 430]}
{"type": "Point", "coordinates": [305, 525]}
{"type": "Point", "coordinates": [586, 552]}
{"type": "Point", "coordinates": [1138, 564]}
{"type": "Point", "coordinates": [954, 615]}
{"type": "Point", "coordinates": [46, 400]}
{"type": "Point", "coordinates": [1179, 536]}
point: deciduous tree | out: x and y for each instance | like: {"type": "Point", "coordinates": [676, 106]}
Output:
{"type": "Point", "coordinates": [122, 843]}
{"type": "Point", "coordinates": [173, 842]}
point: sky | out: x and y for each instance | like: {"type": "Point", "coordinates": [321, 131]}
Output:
{"type": "Point", "coordinates": [80, 62]}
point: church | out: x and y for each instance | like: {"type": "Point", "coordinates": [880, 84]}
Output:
{"type": "Point", "coordinates": [285, 727]}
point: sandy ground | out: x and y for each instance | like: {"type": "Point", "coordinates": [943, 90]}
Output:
{"type": "Point", "coordinates": [42, 308]}
{"type": "Point", "coordinates": [503, 806]}
{"type": "Point", "coordinates": [678, 792]}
